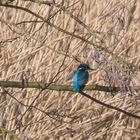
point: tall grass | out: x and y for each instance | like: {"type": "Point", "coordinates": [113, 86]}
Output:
{"type": "Point", "coordinates": [33, 49]}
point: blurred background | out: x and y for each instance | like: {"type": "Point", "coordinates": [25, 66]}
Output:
{"type": "Point", "coordinates": [47, 47]}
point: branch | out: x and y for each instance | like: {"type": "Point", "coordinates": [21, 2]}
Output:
{"type": "Point", "coordinates": [110, 106]}
{"type": "Point", "coordinates": [95, 45]}
{"type": "Point", "coordinates": [41, 85]}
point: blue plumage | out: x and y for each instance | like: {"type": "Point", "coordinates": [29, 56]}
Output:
{"type": "Point", "coordinates": [80, 76]}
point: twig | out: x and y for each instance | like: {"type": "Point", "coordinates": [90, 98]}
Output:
{"type": "Point", "coordinates": [110, 106]}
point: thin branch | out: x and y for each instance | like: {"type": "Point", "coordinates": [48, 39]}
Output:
{"type": "Point", "coordinates": [95, 45]}
{"type": "Point", "coordinates": [109, 106]}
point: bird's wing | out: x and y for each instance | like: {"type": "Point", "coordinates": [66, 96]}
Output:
{"type": "Point", "coordinates": [82, 77]}
{"type": "Point", "coordinates": [75, 81]}
{"type": "Point", "coordinates": [75, 75]}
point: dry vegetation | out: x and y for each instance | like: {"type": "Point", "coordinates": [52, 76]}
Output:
{"type": "Point", "coordinates": [31, 48]}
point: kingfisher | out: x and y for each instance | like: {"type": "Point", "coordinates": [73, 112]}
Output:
{"type": "Point", "coordinates": [80, 76]}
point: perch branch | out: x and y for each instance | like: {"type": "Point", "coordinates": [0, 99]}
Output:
{"type": "Point", "coordinates": [41, 85]}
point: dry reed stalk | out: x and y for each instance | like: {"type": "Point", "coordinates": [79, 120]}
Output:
{"type": "Point", "coordinates": [31, 47]}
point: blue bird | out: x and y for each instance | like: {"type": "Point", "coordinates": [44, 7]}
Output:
{"type": "Point", "coordinates": [80, 77]}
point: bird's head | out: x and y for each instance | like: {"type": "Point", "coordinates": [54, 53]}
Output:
{"type": "Point", "coordinates": [83, 67]}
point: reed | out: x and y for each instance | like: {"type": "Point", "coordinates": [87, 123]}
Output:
{"type": "Point", "coordinates": [46, 45]}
